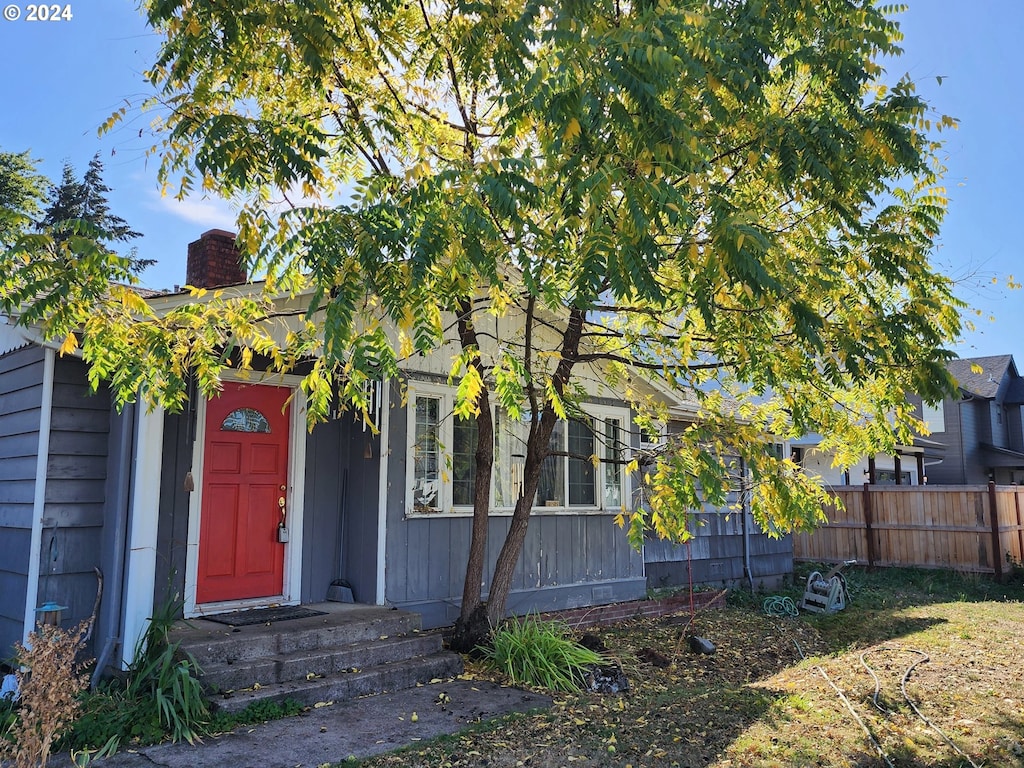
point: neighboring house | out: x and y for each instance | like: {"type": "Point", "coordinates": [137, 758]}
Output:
{"type": "Point", "coordinates": [974, 437]}
{"type": "Point", "coordinates": [908, 465]}
{"type": "Point", "coordinates": [233, 503]}
{"type": "Point", "coordinates": [981, 427]}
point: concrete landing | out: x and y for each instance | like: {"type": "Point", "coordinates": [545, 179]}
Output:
{"type": "Point", "coordinates": [358, 728]}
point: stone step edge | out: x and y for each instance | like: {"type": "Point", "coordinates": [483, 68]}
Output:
{"type": "Point", "coordinates": [443, 665]}
{"type": "Point", "coordinates": [202, 648]}
{"type": "Point", "coordinates": [422, 644]}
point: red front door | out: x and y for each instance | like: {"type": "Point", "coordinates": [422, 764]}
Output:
{"type": "Point", "coordinates": [245, 480]}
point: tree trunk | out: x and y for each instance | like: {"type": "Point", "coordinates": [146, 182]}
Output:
{"type": "Point", "coordinates": [474, 625]}
{"type": "Point", "coordinates": [471, 627]}
{"type": "Point", "coordinates": [537, 449]}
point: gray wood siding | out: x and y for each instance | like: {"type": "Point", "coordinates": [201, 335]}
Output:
{"type": "Point", "coordinates": [959, 430]}
{"type": "Point", "coordinates": [715, 555]}
{"type": "Point", "coordinates": [21, 395]}
{"type": "Point", "coordinates": [567, 560]}
{"type": "Point", "coordinates": [73, 513]}
{"type": "Point", "coordinates": [975, 429]}
{"type": "Point", "coordinates": [340, 515]}
{"type": "Point", "coordinates": [1015, 435]}
{"type": "Point", "coordinates": [116, 510]}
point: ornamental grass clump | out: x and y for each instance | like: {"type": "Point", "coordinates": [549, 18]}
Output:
{"type": "Point", "coordinates": [540, 653]}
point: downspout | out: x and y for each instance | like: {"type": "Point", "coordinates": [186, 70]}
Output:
{"type": "Point", "coordinates": [39, 495]}
{"type": "Point", "coordinates": [120, 536]}
{"type": "Point", "coordinates": [745, 507]}
{"type": "Point", "coordinates": [382, 486]}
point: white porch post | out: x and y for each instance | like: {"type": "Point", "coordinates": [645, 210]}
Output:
{"type": "Point", "coordinates": [140, 580]}
{"type": "Point", "coordinates": [382, 488]}
{"type": "Point", "coordinates": [39, 497]}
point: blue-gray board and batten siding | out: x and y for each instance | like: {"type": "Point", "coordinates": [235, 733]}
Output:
{"type": "Point", "coordinates": [714, 556]}
{"type": "Point", "coordinates": [342, 497]}
{"type": "Point", "coordinates": [74, 510]}
{"type": "Point", "coordinates": [568, 560]}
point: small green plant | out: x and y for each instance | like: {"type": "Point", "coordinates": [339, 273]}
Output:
{"type": "Point", "coordinates": [48, 689]}
{"type": "Point", "coordinates": [540, 653]}
{"type": "Point", "coordinates": [257, 712]}
{"type": "Point", "coordinates": [159, 697]}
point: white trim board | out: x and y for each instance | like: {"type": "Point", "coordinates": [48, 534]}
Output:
{"type": "Point", "coordinates": [140, 576]}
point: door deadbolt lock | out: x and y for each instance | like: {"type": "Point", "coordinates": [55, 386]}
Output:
{"type": "Point", "coordinates": [282, 529]}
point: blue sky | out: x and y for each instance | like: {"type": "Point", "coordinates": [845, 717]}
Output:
{"type": "Point", "coordinates": [62, 79]}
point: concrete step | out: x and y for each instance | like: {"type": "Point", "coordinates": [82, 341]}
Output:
{"type": "Point", "coordinates": [343, 686]}
{"type": "Point", "coordinates": [211, 643]}
{"type": "Point", "coordinates": [235, 675]}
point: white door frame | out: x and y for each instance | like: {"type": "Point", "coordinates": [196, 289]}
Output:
{"type": "Point", "coordinates": [291, 590]}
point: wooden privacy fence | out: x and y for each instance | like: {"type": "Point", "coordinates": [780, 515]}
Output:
{"type": "Point", "coordinates": [963, 527]}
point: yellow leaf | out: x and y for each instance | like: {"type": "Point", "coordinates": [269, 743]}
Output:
{"type": "Point", "coordinates": [572, 130]}
{"type": "Point", "coordinates": [70, 344]}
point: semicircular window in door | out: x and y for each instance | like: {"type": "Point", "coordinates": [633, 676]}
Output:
{"type": "Point", "coordinates": [245, 420]}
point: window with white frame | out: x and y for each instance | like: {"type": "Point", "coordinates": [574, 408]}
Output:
{"type": "Point", "coordinates": [426, 454]}
{"type": "Point", "coordinates": [934, 416]}
{"type": "Point", "coordinates": [584, 472]}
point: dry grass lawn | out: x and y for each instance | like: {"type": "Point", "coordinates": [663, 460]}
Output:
{"type": "Point", "coordinates": [954, 644]}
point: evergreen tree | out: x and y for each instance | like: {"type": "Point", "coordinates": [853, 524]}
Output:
{"type": "Point", "coordinates": [22, 191]}
{"type": "Point", "coordinates": [74, 201]}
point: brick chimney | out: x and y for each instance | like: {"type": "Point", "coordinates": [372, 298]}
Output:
{"type": "Point", "coordinates": [213, 261]}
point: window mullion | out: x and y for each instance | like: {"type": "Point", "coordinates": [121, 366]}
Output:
{"type": "Point", "coordinates": [448, 465]}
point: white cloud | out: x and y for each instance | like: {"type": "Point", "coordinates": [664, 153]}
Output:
{"type": "Point", "coordinates": [205, 212]}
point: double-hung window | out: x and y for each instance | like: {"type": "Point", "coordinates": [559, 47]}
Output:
{"type": "Point", "coordinates": [583, 472]}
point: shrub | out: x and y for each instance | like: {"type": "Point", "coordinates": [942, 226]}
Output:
{"type": "Point", "coordinates": [540, 653]}
{"type": "Point", "coordinates": [49, 691]}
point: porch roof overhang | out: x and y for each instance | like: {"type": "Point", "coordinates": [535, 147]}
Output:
{"type": "Point", "coordinates": [1004, 458]}
{"type": "Point", "coordinates": [920, 444]}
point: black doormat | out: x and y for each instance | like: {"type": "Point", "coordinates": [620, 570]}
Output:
{"type": "Point", "coordinates": [264, 615]}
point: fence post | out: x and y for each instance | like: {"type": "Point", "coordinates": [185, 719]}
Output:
{"type": "Point", "coordinates": [868, 521]}
{"type": "Point", "coordinates": [993, 513]}
{"type": "Point", "coordinates": [1020, 527]}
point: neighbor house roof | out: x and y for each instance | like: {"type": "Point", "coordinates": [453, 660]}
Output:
{"type": "Point", "coordinates": [984, 384]}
